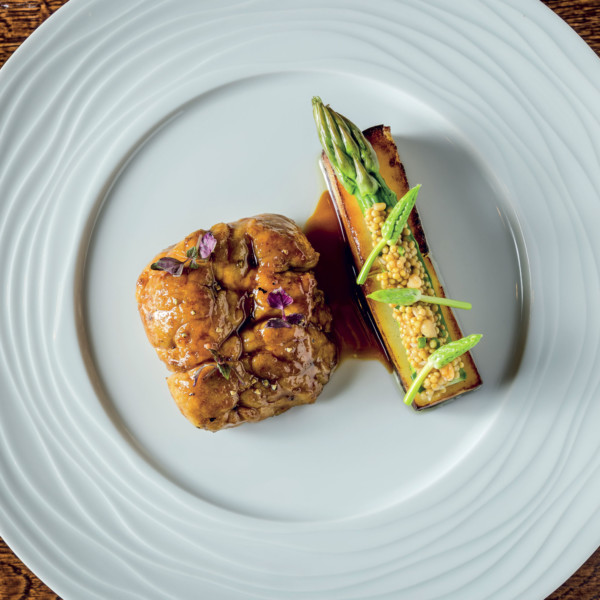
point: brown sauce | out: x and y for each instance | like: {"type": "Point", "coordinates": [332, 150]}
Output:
{"type": "Point", "coordinates": [354, 335]}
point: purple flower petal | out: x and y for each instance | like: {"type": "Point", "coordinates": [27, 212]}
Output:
{"type": "Point", "coordinates": [171, 265]}
{"type": "Point", "coordinates": [277, 323]}
{"type": "Point", "coordinates": [295, 318]}
{"type": "Point", "coordinates": [279, 299]}
{"type": "Point", "coordinates": [197, 373]}
{"type": "Point", "coordinates": [206, 245]}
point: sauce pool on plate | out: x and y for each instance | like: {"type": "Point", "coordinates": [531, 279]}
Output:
{"type": "Point", "coordinates": [335, 273]}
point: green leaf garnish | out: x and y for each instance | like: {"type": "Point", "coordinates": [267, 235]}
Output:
{"type": "Point", "coordinates": [224, 369]}
{"type": "Point", "coordinates": [396, 220]}
{"type": "Point", "coordinates": [221, 363]}
{"type": "Point", "coordinates": [391, 230]}
{"type": "Point", "coordinates": [448, 352]}
{"type": "Point", "coordinates": [408, 296]}
{"type": "Point", "coordinates": [438, 359]}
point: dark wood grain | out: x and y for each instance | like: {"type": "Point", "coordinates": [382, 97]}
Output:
{"type": "Point", "coordinates": [17, 21]}
{"type": "Point", "coordinates": [17, 582]}
{"type": "Point", "coordinates": [583, 16]}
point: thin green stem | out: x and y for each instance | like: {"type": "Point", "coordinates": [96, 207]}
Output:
{"type": "Point", "coordinates": [447, 302]}
{"type": "Point", "coordinates": [364, 272]}
{"type": "Point", "coordinates": [416, 384]}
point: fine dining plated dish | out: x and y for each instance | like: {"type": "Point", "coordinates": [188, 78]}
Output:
{"type": "Point", "coordinates": [124, 125]}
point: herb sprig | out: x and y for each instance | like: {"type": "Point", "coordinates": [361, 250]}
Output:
{"type": "Point", "coordinates": [202, 250]}
{"type": "Point", "coordinates": [408, 296]}
{"type": "Point", "coordinates": [391, 230]}
{"type": "Point", "coordinates": [221, 363]}
{"type": "Point", "coordinates": [440, 358]}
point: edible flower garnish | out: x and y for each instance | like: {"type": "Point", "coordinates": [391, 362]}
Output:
{"type": "Point", "coordinates": [408, 296]}
{"type": "Point", "coordinates": [279, 299]}
{"type": "Point", "coordinates": [391, 230]}
{"type": "Point", "coordinates": [203, 249]}
{"type": "Point", "coordinates": [440, 358]}
{"type": "Point", "coordinates": [206, 245]}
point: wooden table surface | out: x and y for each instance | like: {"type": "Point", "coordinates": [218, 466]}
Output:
{"type": "Point", "coordinates": [17, 20]}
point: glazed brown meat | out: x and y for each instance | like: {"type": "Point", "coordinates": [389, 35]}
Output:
{"type": "Point", "coordinates": [213, 325]}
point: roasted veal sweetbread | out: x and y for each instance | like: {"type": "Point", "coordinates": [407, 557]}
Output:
{"type": "Point", "coordinates": [235, 313]}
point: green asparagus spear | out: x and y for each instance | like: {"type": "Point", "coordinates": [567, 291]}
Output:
{"type": "Point", "coordinates": [391, 230]}
{"type": "Point", "coordinates": [352, 157]}
{"type": "Point", "coordinates": [407, 296]}
{"type": "Point", "coordinates": [440, 358]}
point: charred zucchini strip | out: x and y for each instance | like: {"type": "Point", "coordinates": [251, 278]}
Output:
{"type": "Point", "coordinates": [364, 194]}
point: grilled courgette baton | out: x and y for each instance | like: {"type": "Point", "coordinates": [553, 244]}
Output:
{"type": "Point", "coordinates": [366, 179]}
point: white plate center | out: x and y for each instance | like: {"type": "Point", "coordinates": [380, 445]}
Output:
{"type": "Point", "coordinates": [249, 148]}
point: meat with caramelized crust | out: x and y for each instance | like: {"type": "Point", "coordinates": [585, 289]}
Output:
{"type": "Point", "coordinates": [219, 312]}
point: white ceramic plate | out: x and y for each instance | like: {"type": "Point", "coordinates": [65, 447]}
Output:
{"type": "Point", "coordinates": [126, 125]}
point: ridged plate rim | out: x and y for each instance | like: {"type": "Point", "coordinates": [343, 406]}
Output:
{"type": "Point", "coordinates": [393, 545]}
